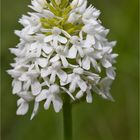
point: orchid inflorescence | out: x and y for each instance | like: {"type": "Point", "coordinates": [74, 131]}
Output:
{"type": "Point", "coordinates": [63, 50]}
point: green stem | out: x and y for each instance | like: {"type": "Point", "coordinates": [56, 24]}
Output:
{"type": "Point", "coordinates": [67, 119]}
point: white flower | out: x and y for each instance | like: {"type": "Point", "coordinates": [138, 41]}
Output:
{"type": "Point", "coordinates": [61, 55]}
{"type": "Point", "coordinates": [54, 70]}
{"type": "Point", "coordinates": [90, 15]}
{"type": "Point", "coordinates": [38, 5]}
{"type": "Point", "coordinates": [63, 51]}
{"type": "Point", "coordinates": [76, 47]}
{"type": "Point", "coordinates": [76, 81]}
{"type": "Point", "coordinates": [56, 37]}
{"type": "Point", "coordinates": [89, 97]}
{"type": "Point", "coordinates": [105, 88]}
{"type": "Point", "coordinates": [23, 107]}
{"type": "Point", "coordinates": [76, 3]}
{"type": "Point", "coordinates": [29, 79]}
{"type": "Point", "coordinates": [74, 17]}
{"type": "Point", "coordinates": [51, 95]}
{"type": "Point", "coordinates": [89, 57]}
{"type": "Point", "coordinates": [87, 61]}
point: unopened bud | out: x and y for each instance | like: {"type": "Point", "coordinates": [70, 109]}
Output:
{"type": "Point", "coordinates": [58, 2]}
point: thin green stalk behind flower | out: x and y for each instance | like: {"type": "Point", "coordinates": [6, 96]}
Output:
{"type": "Point", "coordinates": [67, 119]}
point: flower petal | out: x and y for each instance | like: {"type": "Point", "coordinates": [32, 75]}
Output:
{"type": "Point", "coordinates": [35, 110]}
{"type": "Point", "coordinates": [73, 86]}
{"type": "Point", "coordinates": [46, 82]}
{"type": "Point", "coordinates": [47, 103]}
{"type": "Point", "coordinates": [67, 91]}
{"type": "Point", "coordinates": [26, 95]}
{"type": "Point", "coordinates": [62, 75]}
{"type": "Point", "coordinates": [82, 84]}
{"type": "Point", "coordinates": [64, 61]}
{"type": "Point", "coordinates": [89, 97]}
{"type": "Point", "coordinates": [74, 3]}
{"type": "Point", "coordinates": [23, 109]}
{"type": "Point", "coordinates": [42, 62]}
{"type": "Point", "coordinates": [45, 72]}
{"type": "Point", "coordinates": [35, 88]}
{"type": "Point", "coordinates": [79, 94]}
{"type": "Point", "coordinates": [97, 55]}
{"type": "Point", "coordinates": [69, 79]}
{"type": "Point", "coordinates": [73, 17]}
{"type": "Point", "coordinates": [14, 73]}
{"type": "Point", "coordinates": [95, 65]}
{"type": "Point", "coordinates": [80, 50]}
{"type": "Point", "coordinates": [48, 38]}
{"type": "Point", "coordinates": [111, 73]}
{"type": "Point", "coordinates": [106, 63]}
{"type": "Point", "coordinates": [42, 96]}
{"type": "Point", "coordinates": [53, 77]}
{"type": "Point", "coordinates": [16, 51]}
{"type": "Point", "coordinates": [47, 49]}
{"type": "Point", "coordinates": [86, 63]}
{"type": "Point", "coordinates": [20, 101]}
{"type": "Point", "coordinates": [66, 34]}
{"type": "Point", "coordinates": [78, 70]}
{"type": "Point", "coordinates": [57, 104]}
{"type": "Point", "coordinates": [55, 41]}
{"type": "Point", "coordinates": [62, 39]}
{"type": "Point", "coordinates": [48, 13]}
{"type": "Point", "coordinates": [98, 46]}
{"type": "Point", "coordinates": [17, 87]}
{"type": "Point", "coordinates": [55, 58]}
{"type": "Point", "coordinates": [72, 52]}
{"type": "Point", "coordinates": [82, 8]}
{"type": "Point", "coordinates": [90, 40]}
{"type": "Point", "coordinates": [24, 77]}
{"type": "Point", "coordinates": [105, 83]}
{"type": "Point", "coordinates": [54, 89]}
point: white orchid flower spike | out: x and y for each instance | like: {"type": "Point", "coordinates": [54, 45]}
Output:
{"type": "Point", "coordinates": [63, 51]}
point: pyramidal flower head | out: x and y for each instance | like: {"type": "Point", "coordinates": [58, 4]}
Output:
{"type": "Point", "coordinates": [63, 50]}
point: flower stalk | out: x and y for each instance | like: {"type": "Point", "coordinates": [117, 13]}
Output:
{"type": "Point", "coordinates": [67, 119]}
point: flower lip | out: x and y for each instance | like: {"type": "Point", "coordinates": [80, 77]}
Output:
{"type": "Point", "coordinates": [56, 31]}
{"type": "Point", "coordinates": [75, 40]}
{"type": "Point", "coordinates": [78, 71]}
{"type": "Point", "coordinates": [54, 89]}
{"type": "Point", "coordinates": [56, 65]}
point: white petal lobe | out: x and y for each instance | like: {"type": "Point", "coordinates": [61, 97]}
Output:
{"type": "Point", "coordinates": [57, 104]}
{"type": "Point", "coordinates": [17, 87]}
{"type": "Point", "coordinates": [23, 108]}
{"type": "Point", "coordinates": [72, 52]}
{"type": "Point", "coordinates": [36, 88]}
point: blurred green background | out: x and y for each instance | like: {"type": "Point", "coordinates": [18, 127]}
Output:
{"type": "Point", "coordinates": [102, 120]}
